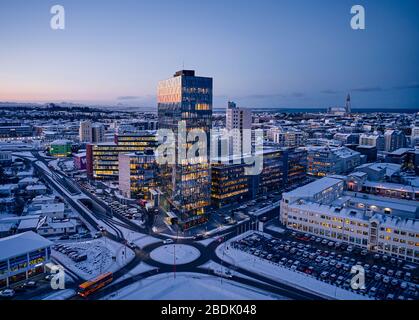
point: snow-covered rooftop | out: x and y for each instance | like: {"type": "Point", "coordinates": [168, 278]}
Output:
{"type": "Point", "coordinates": [22, 243]}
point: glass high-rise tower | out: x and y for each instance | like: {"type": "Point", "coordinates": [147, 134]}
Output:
{"type": "Point", "coordinates": [186, 99]}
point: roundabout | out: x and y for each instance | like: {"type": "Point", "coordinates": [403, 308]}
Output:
{"type": "Point", "coordinates": [175, 254]}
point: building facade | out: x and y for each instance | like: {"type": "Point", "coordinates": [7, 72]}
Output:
{"type": "Point", "coordinates": [102, 158]}
{"type": "Point", "coordinates": [323, 161]}
{"type": "Point", "coordinates": [378, 224]}
{"type": "Point", "coordinates": [186, 99]}
{"type": "Point", "coordinates": [23, 256]}
{"type": "Point", "coordinates": [138, 174]}
{"type": "Point", "coordinates": [237, 121]}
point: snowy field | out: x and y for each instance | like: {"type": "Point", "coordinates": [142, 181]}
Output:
{"type": "Point", "coordinates": [281, 274]}
{"type": "Point", "coordinates": [190, 286]}
{"type": "Point", "coordinates": [166, 254]}
{"type": "Point", "coordinates": [103, 255]}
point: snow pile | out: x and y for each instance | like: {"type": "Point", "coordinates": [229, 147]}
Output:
{"type": "Point", "coordinates": [183, 253]}
{"type": "Point", "coordinates": [189, 286]}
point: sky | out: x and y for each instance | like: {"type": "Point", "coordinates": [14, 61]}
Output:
{"type": "Point", "coordinates": [261, 53]}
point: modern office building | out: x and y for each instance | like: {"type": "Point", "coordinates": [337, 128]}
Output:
{"type": "Point", "coordinates": [102, 158]}
{"type": "Point", "coordinates": [237, 121]}
{"type": "Point", "coordinates": [323, 161]}
{"type": "Point", "coordinates": [229, 183]}
{"type": "Point", "coordinates": [186, 99]}
{"type": "Point", "coordinates": [23, 256]}
{"type": "Point", "coordinates": [378, 224]}
{"type": "Point", "coordinates": [138, 174]}
{"type": "Point", "coordinates": [282, 168]}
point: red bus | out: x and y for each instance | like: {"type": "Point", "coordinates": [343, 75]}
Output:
{"type": "Point", "coordinates": [95, 284]}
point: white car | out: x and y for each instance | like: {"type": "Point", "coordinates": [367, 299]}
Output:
{"type": "Point", "coordinates": [7, 293]}
{"type": "Point", "coordinates": [168, 241]}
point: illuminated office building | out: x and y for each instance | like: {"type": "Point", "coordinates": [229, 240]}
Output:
{"type": "Point", "coordinates": [187, 99]}
{"type": "Point", "coordinates": [137, 174]}
{"type": "Point", "coordinates": [102, 158]}
{"type": "Point", "coordinates": [282, 168]}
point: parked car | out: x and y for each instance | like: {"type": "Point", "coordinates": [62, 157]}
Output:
{"type": "Point", "coordinates": [7, 293]}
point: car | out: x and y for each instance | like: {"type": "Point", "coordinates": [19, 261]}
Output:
{"type": "Point", "coordinates": [318, 240]}
{"type": "Point", "coordinates": [377, 277]}
{"type": "Point", "coordinates": [390, 272]}
{"type": "Point", "coordinates": [386, 280]}
{"type": "Point", "coordinates": [350, 248]}
{"type": "Point", "coordinates": [390, 296]}
{"type": "Point", "coordinates": [7, 293]}
{"type": "Point", "coordinates": [168, 241]}
{"type": "Point", "coordinates": [324, 242]}
{"type": "Point", "coordinates": [98, 235]}
{"type": "Point", "coordinates": [403, 285]}
{"type": "Point", "coordinates": [324, 274]}
{"type": "Point", "coordinates": [30, 284]}
{"type": "Point", "coordinates": [331, 244]}
{"type": "Point", "coordinates": [132, 245]}
{"type": "Point", "coordinates": [373, 291]}
{"type": "Point", "coordinates": [394, 282]}
{"type": "Point", "coordinates": [364, 253]}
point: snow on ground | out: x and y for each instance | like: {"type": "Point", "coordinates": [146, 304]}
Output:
{"type": "Point", "coordinates": [103, 255]}
{"type": "Point", "coordinates": [143, 240]}
{"type": "Point", "coordinates": [281, 274]}
{"type": "Point", "coordinates": [140, 268]}
{"type": "Point", "coordinates": [189, 286]}
{"type": "Point", "coordinates": [68, 165]}
{"type": "Point", "coordinates": [140, 239]}
{"type": "Point", "coordinates": [23, 154]}
{"type": "Point", "coordinates": [60, 295]}
{"type": "Point", "coordinates": [183, 253]}
{"type": "Point", "coordinates": [54, 164]}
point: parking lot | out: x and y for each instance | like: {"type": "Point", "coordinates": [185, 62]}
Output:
{"type": "Point", "coordinates": [386, 278]}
